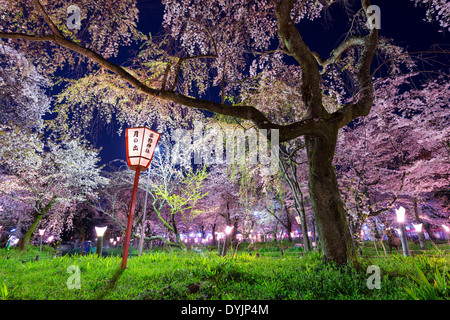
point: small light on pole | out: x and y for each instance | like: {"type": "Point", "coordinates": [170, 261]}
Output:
{"type": "Point", "coordinates": [41, 234]}
{"type": "Point", "coordinates": [418, 227]}
{"type": "Point", "coordinates": [400, 212]}
{"type": "Point", "coordinates": [419, 230]}
{"type": "Point", "coordinates": [228, 231]}
{"type": "Point", "coordinates": [140, 146]}
{"type": "Point", "coordinates": [100, 231]}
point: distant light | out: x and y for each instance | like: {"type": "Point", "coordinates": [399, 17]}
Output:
{"type": "Point", "coordinates": [41, 232]}
{"type": "Point", "coordinates": [228, 230]}
{"type": "Point", "coordinates": [100, 231]}
{"type": "Point", "coordinates": [447, 229]}
{"type": "Point", "coordinates": [418, 227]}
{"type": "Point", "coordinates": [400, 214]}
{"type": "Point", "coordinates": [50, 239]}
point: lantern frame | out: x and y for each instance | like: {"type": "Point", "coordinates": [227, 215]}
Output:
{"type": "Point", "coordinates": [148, 158]}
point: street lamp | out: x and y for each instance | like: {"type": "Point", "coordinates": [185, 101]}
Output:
{"type": "Point", "coordinates": [418, 228]}
{"type": "Point", "coordinates": [100, 231]}
{"type": "Point", "coordinates": [140, 146]}
{"type": "Point", "coordinates": [447, 229]}
{"type": "Point", "coordinates": [228, 231]}
{"type": "Point", "coordinates": [400, 212]}
{"type": "Point", "coordinates": [41, 234]}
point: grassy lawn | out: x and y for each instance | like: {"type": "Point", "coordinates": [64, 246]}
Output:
{"type": "Point", "coordinates": [174, 275]}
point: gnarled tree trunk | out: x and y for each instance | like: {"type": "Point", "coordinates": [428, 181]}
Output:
{"type": "Point", "coordinates": [328, 209]}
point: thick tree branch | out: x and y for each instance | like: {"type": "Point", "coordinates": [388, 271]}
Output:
{"type": "Point", "coordinates": [311, 126]}
{"type": "Point", "coordinates": [364, 104]}
{"type": "Point", "coordinates": [47, 19]}
{"type": "Point", "coordinates": [336, 53]}
{"type": "Point", "coordinates": [292, 40]}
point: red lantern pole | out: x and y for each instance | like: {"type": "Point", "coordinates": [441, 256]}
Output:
{"type": "Point", "coordinates": [130, 220]}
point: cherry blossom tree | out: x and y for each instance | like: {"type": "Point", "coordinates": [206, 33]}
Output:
{"type": "Point", "coordinates": [231, 45]}
{"type": "Point", "coordinates": [399, 154]}
{"type": "Point", "coordinates": [437, 11]}
{"type": "Point", "coordinates": [175, 188]}
{"type": "Point", "coordinates": [44, 174]}
{"type": "Point", "coordinates": [23, 100]}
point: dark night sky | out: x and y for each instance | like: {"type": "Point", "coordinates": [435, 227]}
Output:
{"type": "Point", "coordinates": [400, 20]}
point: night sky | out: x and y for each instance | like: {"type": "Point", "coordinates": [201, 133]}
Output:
{"type": "Point", "coordinates": [400, 20]}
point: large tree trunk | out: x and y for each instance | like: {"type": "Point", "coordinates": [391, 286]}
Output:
{"type": "Point", "coordinates": [23, 244]}
{"type": "Point", "coordinates": [38, 215]}
{"type": "Point", "coordinates": [328, 209]}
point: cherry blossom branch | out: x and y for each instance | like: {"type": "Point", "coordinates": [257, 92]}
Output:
{"type": "Point", "coordinates": [406, 53]}
{"type": "Point", "coordinates": [313, 125]}
{"type": "Point", "coordinates": [181, 61]}
{"type": "Point", "coordinates": [271, 51]}
{"type": "Point", "coordinates": [394, 199]}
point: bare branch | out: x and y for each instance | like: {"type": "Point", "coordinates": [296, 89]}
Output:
{"type": "Point", "coordinates": [336, 53]}
{"type": "Point", "coordinates": [47, 19]}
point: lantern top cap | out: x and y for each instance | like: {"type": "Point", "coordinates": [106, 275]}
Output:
{"type": "Point", "coordinates": [141, 143]}
{"type": "Point", "coordinates": [100, 231]}
{"type": "Point", "coordinates": [400, 214]}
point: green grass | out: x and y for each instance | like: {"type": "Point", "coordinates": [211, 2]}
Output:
{"type": "Point", "coordinates": [192, 275]}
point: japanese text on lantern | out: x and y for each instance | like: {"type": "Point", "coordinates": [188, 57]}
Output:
{"type": "Point", "coordinates": [135, 140]}
{"type": "Point", "coordinates": [149, 143]}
